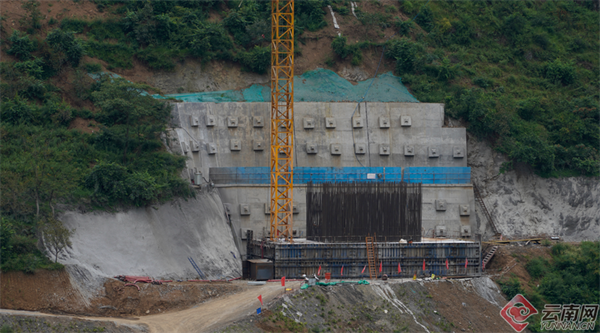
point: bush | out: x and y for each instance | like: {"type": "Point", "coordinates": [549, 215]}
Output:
{"type": "Point", "coordinates": [258, 60]}
{"type": "Point", "coordinates": [343, 50]}
{"type": "Point", "coordinates": [405, 53]}
{"type": "Point", "coordinates": [65, 42]}
{"type": "Point", "coordinates": [157, 57]}
{"type": "Point", "coordinates": [93, 67]}
{"type": "Point", "coordinates": [20, 45]}
{"type": "Point", "coordinates": [537, 267]}
{"type": "Point", "coordinates": [404, 27]}
{"type": "Point", "coordinates": [73, 25]}
{"type": "Point", "coordinates": [116, 55]}
{"type": "Point", "coordinates": [560, 72]}
{"type": "Point", "coordinates": [511, 287]}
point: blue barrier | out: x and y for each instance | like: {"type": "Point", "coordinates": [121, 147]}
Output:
{"type": "Point", "coordinates": [437, 175]}
{"type": "Point", "coordinates": [303, 175]}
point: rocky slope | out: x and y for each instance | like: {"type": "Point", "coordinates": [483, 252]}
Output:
{"type": "Point", "coordinates": [524, 204]}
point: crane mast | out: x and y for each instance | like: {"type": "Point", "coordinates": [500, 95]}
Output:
{"type": "Point", "coordinates": [282, 119]}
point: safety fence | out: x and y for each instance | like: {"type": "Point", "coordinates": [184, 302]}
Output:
{"type": "Point", "coordinates": [318, 175]}
{"type": "Point", "coordinates": [293, 260]}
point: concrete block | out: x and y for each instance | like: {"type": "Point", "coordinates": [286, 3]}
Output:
{"type": "Point", "coordinates": [195, 146]}
{"type": "Point", "coordinates": [357, 122]}
{"type": "Point", "coordinates": [258, 145]}
{"type": "Point", "coordinates": [235, 145]}
{"type": "Point", "coordinates": [295, 210]}
{"type": "Point", "coordinates": [194, 121]}
{"type": "Point", "coordinates": [440, 231]}
{"type": "Point", "coordinates": [258, 121]}
{"type": "Point", "coordinates": [465, 210]}
{"type": "Point", "coordinates": [434, 152]}
{"type": "Point", "coordinates": [405, 121]}
{"type": "Point", "coordinates": [458, 152]}
{"type": "Point", "coordinates": [309, 123]}
{"type": "Point", "coordinates": [244, 209]}
{"type": "Point", "coordinates": [384, 150]}
{"type": "Point", "coordinates": [440, 205]}
{"type": "Point", "coordinates": [336, 149]}
{"type": "Point", "coordinates": [384, 122]}
{"type": "Point", "coordinates": [465, 231]}
{"type": "Point", "coordinates": [210, 120]}
{"type": "Point", "coordinates": [360, 149]}
{"type": "Point", "coordinates": [211, 148]}
{"type": "Point", "coordinates": [185, 147]}
{"type": "Point", "coordinates": [330, 122]}
{"type": "Point", "coordinates": [267, 208]}
{"type": "Point", "coordinates": [232, 122]}
{"type": "Point", "coordinates": [409, 151]}
{"type": "Point", "coordinates": [312, 148]}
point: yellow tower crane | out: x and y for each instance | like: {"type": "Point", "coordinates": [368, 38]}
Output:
{"type": "Point", "coordinates": [282, 119]}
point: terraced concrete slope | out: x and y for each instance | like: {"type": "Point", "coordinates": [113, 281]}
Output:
{"type": "Point", "coordinates": [154, 241]}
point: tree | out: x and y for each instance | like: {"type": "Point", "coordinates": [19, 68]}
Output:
{"type": "Point", "coordinates": [131, 116]}
{"type": "Point", "coordinates": [56, 237]}
{"type": "Point", "coordinates": [6, 233]}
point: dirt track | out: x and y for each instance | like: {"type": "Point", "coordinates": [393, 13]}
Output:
{"type": "Point", "coordinates": [204, 317]}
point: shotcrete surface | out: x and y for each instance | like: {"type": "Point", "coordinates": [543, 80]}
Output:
{"type": "Point", "coordinates": [155, 241]}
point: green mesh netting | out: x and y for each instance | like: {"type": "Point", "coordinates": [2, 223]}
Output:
{"type": "Point", "coordinates": [320, 85]}
{"type": "Point", "coordinates": [306, 285]}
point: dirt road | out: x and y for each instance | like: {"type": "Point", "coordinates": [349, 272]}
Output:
{"type": "Point", "coordinates": [215, 313]}
{"type": "Point", "coordinates": [204, 317]}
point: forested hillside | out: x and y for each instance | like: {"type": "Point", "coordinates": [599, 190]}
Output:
{"type": "Point", "coordinates": [521, 74]}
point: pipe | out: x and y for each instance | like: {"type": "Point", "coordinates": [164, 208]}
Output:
{"type": "Point", "coordinates": [131, 284]}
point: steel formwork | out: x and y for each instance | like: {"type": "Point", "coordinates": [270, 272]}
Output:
{"type": "Point", "coordinates": [293, 260]}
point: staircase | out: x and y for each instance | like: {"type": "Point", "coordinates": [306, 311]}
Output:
{"type": "Point", "coordinates": [487, 214]}
{"type": "Point", "coordinates": [488, 256]}
{"type": "Point", "coordinates": [372, 255]}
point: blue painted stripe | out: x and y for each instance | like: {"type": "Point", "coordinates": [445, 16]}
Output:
{"type": "Point", "coordinates": [438, 175]}
{"type": "Point", "coordinates": [303, 175]}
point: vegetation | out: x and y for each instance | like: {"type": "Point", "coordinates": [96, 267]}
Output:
{"type": "Point", "coordinates": [47, 165]}
{"type": "Point", "coordinates": [571, 277]}
{"type": "Point", "coordinates": [523, 75]}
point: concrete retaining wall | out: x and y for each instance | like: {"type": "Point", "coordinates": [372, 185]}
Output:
{"type": "Point", "coordinates": [237, 135]}
{"type": "Point", "coordinates": [247, 124]}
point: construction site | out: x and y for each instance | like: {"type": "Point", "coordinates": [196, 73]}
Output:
{"type": "Point", "coordinates": [319, 204]}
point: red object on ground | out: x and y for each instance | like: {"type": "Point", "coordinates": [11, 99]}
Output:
{"type": "Point", "coordinates": [380, 266]}
{"type": "Point", "coordinates": [423, 264]}
{"type": "Point", "coordinates": [283, 281]}
{"type": "Point", "coordinates": [260, 299]}
{"type": "Point", "coordinates": [446, 263]}
{"type": "Point", "coordinates": [342, 271]}
{"type": "Point", "coordinates": [319, 272]}
{"type": "Point", "coordinates": [466, 262]}
{"type": "Point", "coordinates": [363, 269]}
{"type": "Point", "coordinates": [132, 284]}
{"type": "Point", "coordinates": [327, 277]}
{"type": "Point", "coordinates": [399, 268]}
